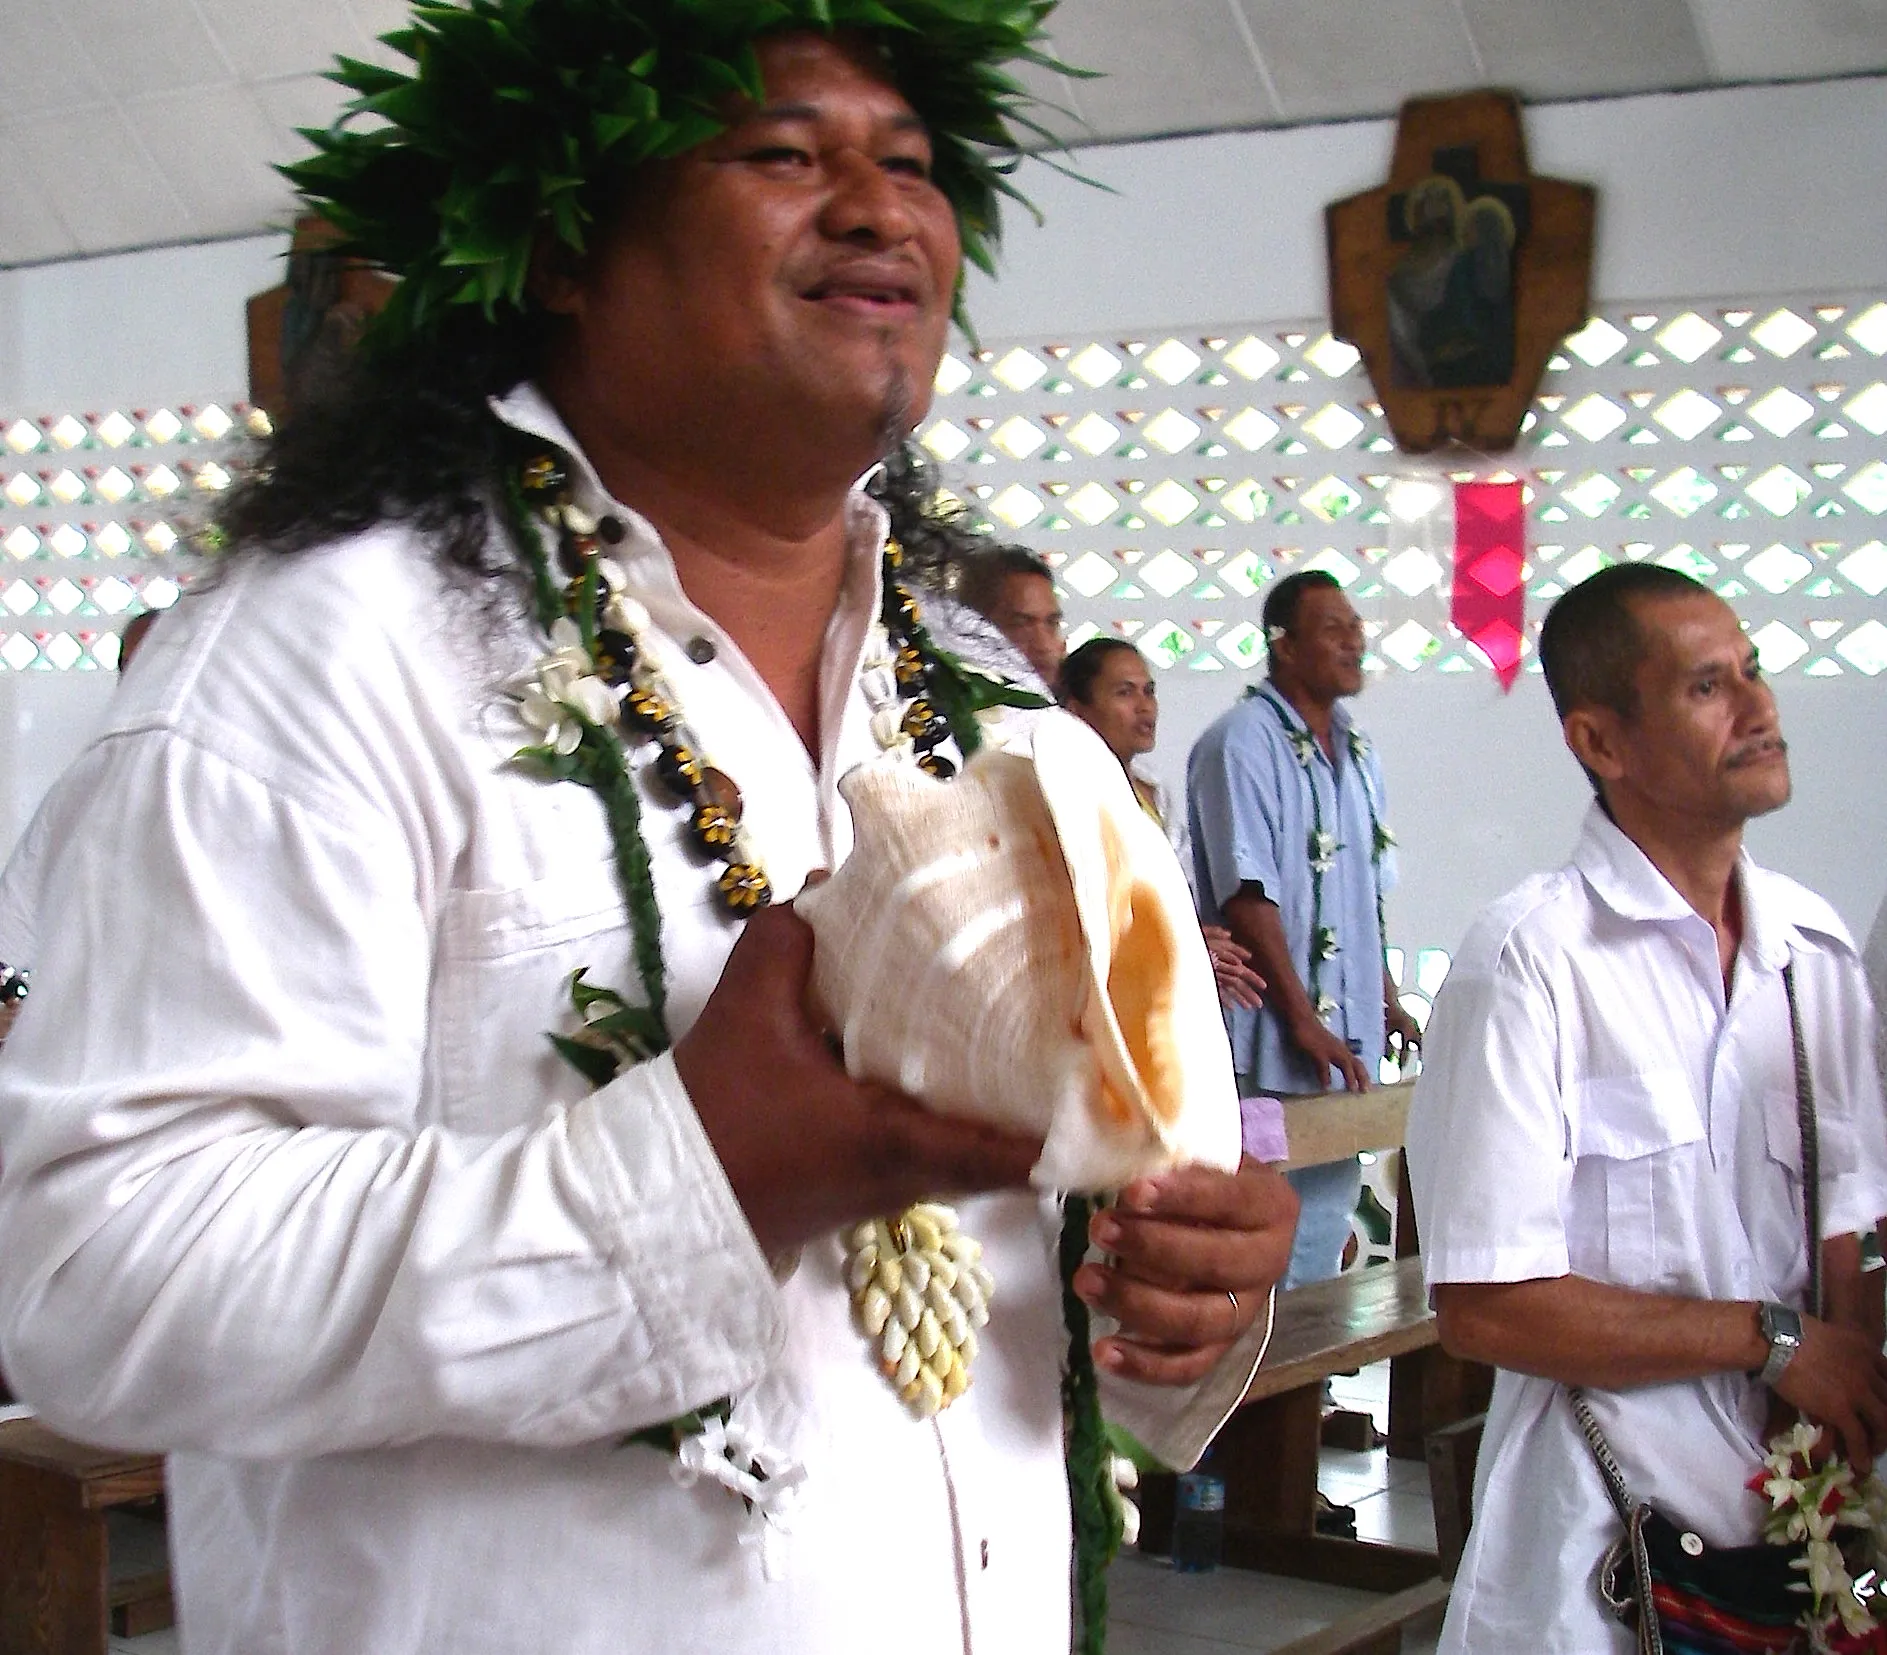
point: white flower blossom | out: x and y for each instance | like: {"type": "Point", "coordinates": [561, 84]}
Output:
{"type": "Point", "coordinates": [565, 684]}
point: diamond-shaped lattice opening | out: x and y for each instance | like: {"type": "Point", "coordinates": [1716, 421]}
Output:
{"type": "Point", "coordinates": [1688, 337]}
{"type": "Point", "coordinates": [69, 432]}
{"type": "Point", "coordinates": [945, 440]}
{"type": "Point", "coordinates": [1593, 494]}
{"type": "Point", "coordinates": [1331, 498]}
{"type": "Point", "coordinates": [1869, 409]}
{"type": "Point", "coordinates": [1242, 645]}
{"type": "Point", "coordinates": [1777, 568]}
{"type": "Point", "coordinates": [1250, 429]}
{"type": "Point", "coordinates": [1170, 502]}
{"type": "Point", "coordinates": [67, 487]}
{"type": "Point", "coordinates": [20, 596]}
{"type": "Point", "coordinates": [1333, 425]}
{"type": "Point", "coordinates": [114, 430]}
{"type": "Point", "coordinates": [162, 482]}
{"type": "Point", "coordinates": [22, 436]}
{"type": "Point", "coordinates": [1245, 574]}
{"type": "Point", "coordinates": [1093, 504]}
{"type": "Point", "coordinates": [1410, 646]}
{"type": "Point", "coordinates": [113, 596]}
{"type": "Point", "coordinates": [1777, 648]}
{"type": "Point", "coordinates": [1686, 415]}
{"type": "Point", "coordinates": [160, 538]}
{"type": "Point", "coordinates": [1781, 411]}
{"type": "Point", "coordinates": [64, 596]}
{"type": "Point", "coordinates": [1165, 644]}
{"type": "Point", "coordinates": [1869, 329]}
{"type": "Point", "coordinates": [1019, 370]}
{"type": "Point", "coordinates": [1094, 366]}
{"type": "Point", "coordinates": [1412, 572]}
{"type": "Point", "coordinates": [1168, 573]}
{"type": "Point", "coordinates": [1582, 565]}
{"type": "Point", "coordinates": [163, 426]}
{"type": "Point", "coordinates": [1410, 499]}
{"type": "Point", "coordinates": [1865, 648]}
{"type": "Point", "coordinates": [1336, 565]}
{"type": "Point", "coordinates": [1865, 568]}
{"type": "Point", "coordinates": [1170, 429]}
{"type": "Point", "coordinates": [1018, 438]}
{"type": "Point", "coordinates": [1597, 342]}
{"type": "Point", "coordinates": [19, 651]}
{"type": "Point", "coordinates": [161, 593]}
{"type": "Point", "coordinates": [214, 425]}
{"type": "Point", "coordinates": [114, 485]}
{"type": "Point", "coordinates": [1090, 575]}
{"type": "Point", "coordinates": [63, 651]}
{"type": "Point", "coordinates": [1246, 501]}
{"type": "Point", "coordinates": [211, 477]}
{"type": "Point", "coordinates": [22, 488]}
{"type": "Point", "coordinates": [1867, 488]}
{"type": "Point", "coordinates": [1687, 560]}
{"type": "Point", "coordinates": [1779, 490]}
{"type": "Point", "coordinates": [21, 542]}
{"type": "Point", "coordinates": [1685, 492]}
{"type": "Point", "coordinates": [1016, 506]}
{"type": "Point", "coordinates": [952, 375]}
{"type": "Point", "coordinates": [67, 541]}
{"type": "Point", "coordinates": [1782, 332]}
{"type": "Point", "coordinates": [1171, 361]}
{"type": "Point", "coordinates": [1251, 357]}
{"type": "Point", "coordinates": [1594, 417]}
{"type": "Point", "coordinates": [1332, 357]}
{"type": "Point", "coordinates": [1093, 435]}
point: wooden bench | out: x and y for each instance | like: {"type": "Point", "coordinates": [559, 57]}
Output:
{"type": "Point", "coordinates": [57, 1591]}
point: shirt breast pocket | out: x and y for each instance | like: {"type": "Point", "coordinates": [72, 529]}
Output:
{"type": "Point", "coordinates": [1635, 1140]}
{"type": "Point", "coordinates": [500, 986]}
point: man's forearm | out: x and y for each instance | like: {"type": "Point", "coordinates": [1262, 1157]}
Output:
{"type": "Point", "coordinates": [1256, 925]}
{"type": "Point", "coordinates": [1583, 1332]}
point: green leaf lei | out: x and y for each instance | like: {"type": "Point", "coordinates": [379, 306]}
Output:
{"type": "Point", "coordinates": [1322, 846]}
{"type": "Point", "coordinates": [525, 116]}
{"type": "Point", "coordinates": [947, 693]}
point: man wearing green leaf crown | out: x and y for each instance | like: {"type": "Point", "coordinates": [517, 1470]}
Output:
{"type": "Point", "coordinates": [538, 653]}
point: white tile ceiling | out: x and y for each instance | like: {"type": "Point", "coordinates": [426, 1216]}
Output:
{"type": "Point", "coordinates": [127, 123]}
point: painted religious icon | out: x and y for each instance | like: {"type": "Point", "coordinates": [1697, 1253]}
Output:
{"type": "Point", "coordinates": [1458, 279]}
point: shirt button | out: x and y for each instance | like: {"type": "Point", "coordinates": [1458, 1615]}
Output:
{"type": "Point", "coordinates": [701, 651]}
{"type": "Point", "coordinates": [612, 530]}
{"type": "Point", "coordinates": [985, 1554]}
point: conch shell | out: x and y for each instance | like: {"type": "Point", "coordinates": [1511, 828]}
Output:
{"type": "Point", "coordinates": [1019, 946]}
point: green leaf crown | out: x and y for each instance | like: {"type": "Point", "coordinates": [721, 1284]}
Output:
{"type": "Point", "coordinates": [521, 116]}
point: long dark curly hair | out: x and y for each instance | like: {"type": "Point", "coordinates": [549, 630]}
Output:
{"type": "Point", "coordinates": [402, 435]}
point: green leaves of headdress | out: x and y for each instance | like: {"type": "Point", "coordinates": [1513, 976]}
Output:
{"type": "Point", "coordinates": [521, 115]}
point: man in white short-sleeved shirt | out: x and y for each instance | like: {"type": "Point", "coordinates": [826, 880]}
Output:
{"type": "Point", "coordinates": [1604, 1145]}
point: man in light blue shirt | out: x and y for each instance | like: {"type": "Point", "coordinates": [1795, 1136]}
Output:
{"type": "Point", "coordinates": [1291, 854]}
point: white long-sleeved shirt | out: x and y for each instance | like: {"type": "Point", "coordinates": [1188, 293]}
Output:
{"type": "Point", "coordinates": [295, 1189]}
{"type": "Point", "coordinates": [1592, 1103]}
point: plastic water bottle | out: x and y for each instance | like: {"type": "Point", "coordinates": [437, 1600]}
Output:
{"type": "Point", "coordinates": [1198, 1521]}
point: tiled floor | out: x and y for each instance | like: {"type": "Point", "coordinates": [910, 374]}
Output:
{"type": "Point", "coordinates": [1231, 1611]}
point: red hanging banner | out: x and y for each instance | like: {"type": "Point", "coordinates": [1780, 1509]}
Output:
{"type": "Point", "coordinates": [1489, 603]}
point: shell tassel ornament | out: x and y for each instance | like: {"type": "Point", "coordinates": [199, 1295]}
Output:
{"type": "Point", "coordinates": [919, 1292]}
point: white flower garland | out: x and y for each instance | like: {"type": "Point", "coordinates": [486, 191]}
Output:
{"type": "Point", "coordinates": [1812, 1502]}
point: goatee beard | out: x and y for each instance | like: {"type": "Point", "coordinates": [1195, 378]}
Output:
{"type": "Point", "coordinates": [894, 415]}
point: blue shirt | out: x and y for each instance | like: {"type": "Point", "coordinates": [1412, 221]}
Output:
{"type": "Point", "coordinates": [1250, 805]}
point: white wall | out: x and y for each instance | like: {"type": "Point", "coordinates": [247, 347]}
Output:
{"type": "Point", "coordinates": [1765, 190]}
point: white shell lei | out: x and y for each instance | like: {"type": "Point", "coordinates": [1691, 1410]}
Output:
{"type": "Point", "coordinates": [920, 1290]}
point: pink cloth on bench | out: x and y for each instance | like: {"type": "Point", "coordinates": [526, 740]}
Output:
{"type": "Point", "coordinates": [1263, 1123]}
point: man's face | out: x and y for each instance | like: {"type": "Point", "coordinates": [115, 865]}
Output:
{"type": "Point", "coordinates": [1704, 748]}
{"type": "Point", "coordinates": [1030, 618]}
{"type": "Point", "coordinates": [1323, 651]}
{"type": "Point", "coordinates": [793, 274]}
{"type": "Point", "coordinates": [1122, 706]}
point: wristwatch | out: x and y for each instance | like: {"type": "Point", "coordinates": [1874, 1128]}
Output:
{"type": "Point", "coordinates": [1782, 1327]}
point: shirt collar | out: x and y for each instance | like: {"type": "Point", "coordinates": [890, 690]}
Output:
{"type": "Point", "coordinates": [1629, 883]}
{"type": "Point", "coordinates": [1340, 718]}
{"type": "Point", "coordinates": [641, 552]}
